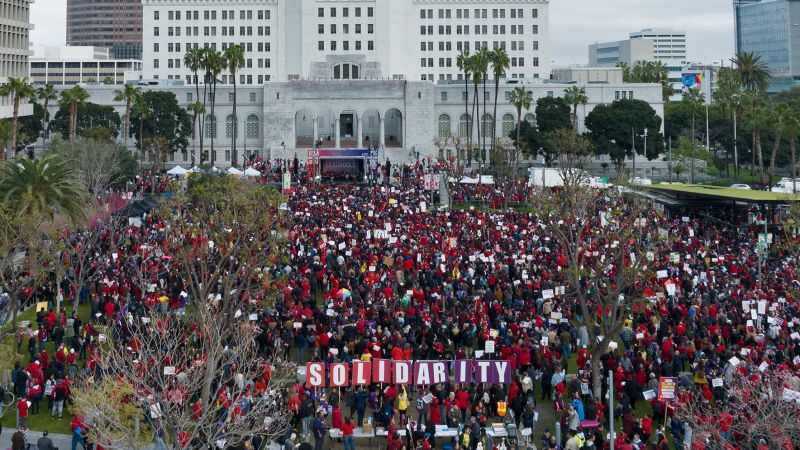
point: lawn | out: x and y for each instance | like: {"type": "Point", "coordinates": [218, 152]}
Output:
{"type": "Point", "coordinates": [42, 421]}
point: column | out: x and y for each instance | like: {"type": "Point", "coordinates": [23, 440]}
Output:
{"type": "Point", "coordinates": [360, 138]}
{"type": "Point", "coordinates": [337, 132]}
{"type": "Point", "coordinates": [383, 133]}
{"type": "Point", "coordinates": [316, 132]}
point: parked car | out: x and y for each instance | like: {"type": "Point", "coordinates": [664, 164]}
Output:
{"type": "Point", "coordinates": [786, 186]}
{"type": "Point", "coordinates": [741, 186]}
{"type": "Point", "coordinates": [639, 181]}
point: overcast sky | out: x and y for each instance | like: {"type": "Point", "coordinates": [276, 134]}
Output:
{"type": "Point", "coordinates": [574, 24]}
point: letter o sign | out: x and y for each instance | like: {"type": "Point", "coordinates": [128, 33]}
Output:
{"type": "Point", "coordinates": [338, 375]}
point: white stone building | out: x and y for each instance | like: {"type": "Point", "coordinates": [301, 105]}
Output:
{"type": "Point", "coordinates": [14, 52]}
{"type": "Point", "coordinates": [72, 65]}
{"type": "Point", "coordinates": [415, 40]}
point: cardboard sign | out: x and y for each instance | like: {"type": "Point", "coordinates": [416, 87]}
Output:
{"type": "Point", "coordinates": [716, 382]}
{"type": "Point", "coordinates": [667, 389]}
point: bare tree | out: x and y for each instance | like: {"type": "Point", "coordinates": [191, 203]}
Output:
{"type": "Point", "coordinates": [193, 370]}
{"type": "Point", "coordinates": [574, 153]}
{"type": "Point", "coordinates": [764, 405]}
{"type": "Point", "coordinates": [441, 143]}
{"type": "Point", "coordinates": [96, 162]}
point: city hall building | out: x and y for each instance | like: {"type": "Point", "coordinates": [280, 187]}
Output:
{"type": "Point", "coordinates": [375, 75]}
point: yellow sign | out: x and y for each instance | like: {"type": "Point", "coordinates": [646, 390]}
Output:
{"type": "Point", "coordinates": [41, 306]}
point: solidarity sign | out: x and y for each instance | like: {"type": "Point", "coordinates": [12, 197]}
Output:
{"type": "Point", "coordinates": [420, 373]}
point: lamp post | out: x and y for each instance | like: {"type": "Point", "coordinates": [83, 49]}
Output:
{"type": "Point", "coordinates": [645, 143]}
{"type": "Point", "coordinates": [735, 140]}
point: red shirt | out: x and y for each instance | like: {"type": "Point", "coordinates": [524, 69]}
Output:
{"type": "Point", "coordinates": [347, 429]}
{"type": "Point", "coordinates": [22, 407]}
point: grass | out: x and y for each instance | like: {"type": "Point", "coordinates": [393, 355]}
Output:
{"type": "Point", "coordinates": [42, 421]}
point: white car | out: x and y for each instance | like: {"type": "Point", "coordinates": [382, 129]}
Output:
{"type": "Point", "coordinates": [740, 186]}
{"type": "Point", "coordinates": [786, 186]}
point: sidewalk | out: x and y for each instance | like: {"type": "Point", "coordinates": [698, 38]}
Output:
{"type": "Point", "coordinates": [62, 441]}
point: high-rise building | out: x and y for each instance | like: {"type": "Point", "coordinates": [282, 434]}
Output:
{"type": "Point", "coordinates": [14, 52]}
{"type": "Point", "coordinates": [115, 24]}
{"type": "Point", "coordinates": [630, 51]}
{"type": "Point", "coordinates": [669, 46]}
{"type": "Point", "coordinates": [354, 39]}
{"type": "Point", "coordinates": [64, 66]}
{"type": "Point", "coordinates": [770, 28]}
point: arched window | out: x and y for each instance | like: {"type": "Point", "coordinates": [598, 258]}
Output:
{"type": "Point", "coordinates": [231, 128]}
{"type": "Point", "coordinates": [444, 125]}
{"type": "Point", "coordinates": [508, 124]}
{"type": "Point", "coordinates": [345, 72]}
{"type": "Point", "coordinates": [465, 126]}
{"type": "Point", "coordinates": [252, 126]}
{"type": "Point", "coordinates": [531, 119]}
{"type": "Point", "coordinates": [486, 126]}
{"type": "Point", "coordinates": [211, 127]}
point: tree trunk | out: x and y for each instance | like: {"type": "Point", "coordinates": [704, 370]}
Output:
{"type": "Point", "coordinates": [475, 111]}
{"type": "Point", "coordinates": [794, 164]}
{"type": "Point", "coordinates": [235, 123]}
{"type": "Point", "coordinates": [575, 117]}
{"type": "Point", "coordinates": [757, 137]}
{"type": "Point", "coordinates": [494, 115]}
{"type": "Point", "coordinates": [692, 142]}
{"type": "Point", "coordinates": [194, 136]}
{"type": "Point", "coordinates": [14, 126]}
{"type": "Point", "coordinates": [597, 377]}
{"type": "Point", "coordinates": [127, 121]}
{"type": "Point", "coordinates": [775, 145]}
{"type": "Point", "coordinates": [214, 122]}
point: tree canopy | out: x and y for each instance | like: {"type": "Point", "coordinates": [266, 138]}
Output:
{"type": "Point", "coordinates": [165, 119]}
{"type": "Point", "coordinates": [89, 115]}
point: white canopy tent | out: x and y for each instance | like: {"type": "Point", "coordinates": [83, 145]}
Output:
{"type": "Point", "coordinates": [177, 171]}
{"type": "Point", "coordinates": [234, 171]}
{"type": "Point", "coordinates": [250, 172]}
{"type": "Point", "coordinates": [484, 179]}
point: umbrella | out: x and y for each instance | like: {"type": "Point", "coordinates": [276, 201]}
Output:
{"type": "Point", "coordinates": [343, 293]}
{"type": "Point", "coordinates": [234, 171]}
{"type": "Point", "coordinates": [177, 171]}
{"type": "Point", "coordinates": [250, 172]}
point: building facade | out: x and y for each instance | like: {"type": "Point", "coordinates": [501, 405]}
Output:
{"type": "Point", "coordinates": [64, 66]}
{"type": "Point", "coordinates": [400, 118]}
{"type": "Point", "coordinates": [416, 40]}
{"type": "Point", "coordinates": [114, 24]}
{"type": "Point", "coordinates": [770, 28]}
{"type": "Point", "coordinates": [610, 54]}
{"type": "Point", "coordinates": [669, 46]}
{"type": "Point", "coordinates": [14, 52]}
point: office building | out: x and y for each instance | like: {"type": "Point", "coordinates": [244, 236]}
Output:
{"type": "Point", "coordinates": [362, 39]}
{"type": "Point", "coordinates": [14, 52]}
{"type": "Point", "coordinates": [611, 54]}
{"type": "Point", "coordinates": [770, 28]}
{"type": "Point", "coordinates": [115, 24]}
{"type": "Point", "coordinates": [64, 66]}
{"type": "Point", "coordinates": [669, 46]}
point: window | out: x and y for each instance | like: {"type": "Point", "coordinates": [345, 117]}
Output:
{"type": "Point", "coordinates": [155, 31]}
{"type": "Point", "coordinates": [358, 45]}
{"type": "Point", "coordinates": [333, 46]}
{"type": "Point", "coordinates": [155, 64]}
{"type": "Point", "coordinates": [345, 12]}
{"type": "Point", "coordinates": [358, 28]}
{"type": "Point", "coordinates": [321, 29]}
{"type": "Point", "coordinates": [230, 96]}
{"type": "Point", "coordinates": [535, 29]}
{"type": "Point", "coordinates": [321, 45]}
{"type": "Point", "coordinates": [630, 95]}
{"type": "Point", "coordinates": [249, 14]}
{"type": "Point", "coordinates": [320, 12]}
{"type": "Point", "coordinates": [444, 125]}
{"type": "Point", "coordinates": [531, 119]}
{"type": "Point", "coordinates": [333, 12]}
{"type": "Point", "coordinates": [206, 15]}
{"type": "Point", "coordinates": [465, 126]}
{"type": "Point", "coordinates": [508, 124]}
{"type": "Point", "coordinates": [333, 28]}
{"type": "Point", "coordinates": [358, 12]}
{"type": "Point", "coordinates": [486, 126]}
{"type": "Point", "coordinates": [155, 47]}
{"type": "Point", "coordinates": [252, 96]}
{"type": "Point", "coordinates": [156, 14]}
{"type": "Point", "coordinates": [346, 28]}
{"type": "Point", "coordinates": [443, 96]}
{"type": "Point", "coordinates": [230, 127]}
{"type": "Point", "coordinates": [346, 45]}
{"type": "Point", "coordinates": [345, 72]}
{"type": "Point", "coordinates": [370, 29]}
{"type": "Point", "coordinates": [370, 12]}
{"type": "Point", "coordinates": [535, 61]}
{"type": "Point", "coordinates": [189, 97]}
{"type": "Point", "coordinates": [211, 127]}
{"type": "Point", "coordinates": [252, 126]}
{"type": "Point", "coordinates": [370, 45]}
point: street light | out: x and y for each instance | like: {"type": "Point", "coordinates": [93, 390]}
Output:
{"type": "Point", "coordinates": [645, 143]}
{"type": "Point", "coordinates": [736, 99]}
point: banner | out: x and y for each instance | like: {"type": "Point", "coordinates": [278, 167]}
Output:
{"type": "Point", "coordinates": [667, 389]}
{"type": "Point", "coordinates": [419, 373]}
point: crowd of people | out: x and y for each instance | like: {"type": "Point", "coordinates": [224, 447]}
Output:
{"type": "Point", "coordinates": [424, 283]}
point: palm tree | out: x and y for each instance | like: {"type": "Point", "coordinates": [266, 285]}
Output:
{"type": "Point", "coordinates": [42, 187]}
{"type": "Point", "coordinates": [72, 98]}
{"type": "Point", "coordinates": [482, 64]}
{"type": "Point", "coordinates": [234, 55]}
{"type": "Point", "coordinates": [521, 99]}
{"type": "Point", "coordinates": [575, 96]}
{"type": "Point", "coordinates": [476, 80]}
{"type": "Point", "coordinates": [500, 63]}
{"type": "Point", "coordinates": [143, 112]}
{"type": "Point", "coordinates": [626, 71]}
{"type": "Point", "coordinates": [18, 89]}
{"type": "Point", "coordinates": [462, 61]}
{"type": "Point", "coordinates": [214, 63]}
{"type": "Point", "coordinates": [758, 119]}
{"type": "Point", "coordinates": [128, 94]}
{"type": "Point", "coordinates": [695, 99]}
{"type": "Point", "coordinates": [198, 110]}
{"type": "Point", "coordinates": [777, 118]}
{"type": "Point", "coordinates": [193, 60]}
{"type": "Point", "coordinates": [46, 94]}
{"type": "Point", "coordinates": [792, 130]}
{"type": "Point", "coordinates": [754, 73]}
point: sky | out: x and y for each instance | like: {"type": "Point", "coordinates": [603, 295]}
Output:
{"type": "Point", "coordinates": [574, 24]}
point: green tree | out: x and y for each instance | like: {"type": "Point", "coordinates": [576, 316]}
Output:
{"type": "Point", "coordinates": [792, 129]}
{"type": "Point", "coordinates": [754, 73]}
{"type": "Point", "coordinates": [476, 74]}
{"type": "Point", "coordinates": [648, 72]}
{"type": "Point", "coordinates": [128, 94]}
{"type": "Point", "coordinates": [688, 153]}
{"type": "Point", "coordinates": [778, 116]}
{"type": "Point", "coordinates": [481, 67]}
{"type": "Point", "coordinates": [198, 110]}
{"type": "Point", "coordinates": [18, 89]}
{"type": "Point", "coordinates": [234, 56]}
{"type": "Point", "coordinates": [552, 113]}
{"type": "Point", "coordinates": [30, 127]}
{"type": "Point", "coordinates": [575, 96]}
{"type": "Point", "coordinates": [87, 115]}
{"type": "Point", "coordinates": [500, 63]}
{"type": "Point", "coordinates": [142, 111]}
{"type": "Point", "coordinates": [694, 99]}
{"type": "Point", "coordinates": [42, 187]}
{"type": "Point", "coordinates": [609, 127]}
{"type": "Point", "coordinates": [214, 63]}
{"type": "Point", "coordinates": [757, 119]}
{"type": "Point", "coordinates": [108, 81]}
{"type": "Point", "coordinates": [71, 99]}
{"type": "Point", "coordinates": [158, 114]}
{"type": "Point", "coordinates": [521, 99]}
{"type": "Point", "coordinates": [46, 94]}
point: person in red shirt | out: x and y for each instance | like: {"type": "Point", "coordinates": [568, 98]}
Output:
{"type": "Point", "coordinates": [347, 434]}
{"type": "Point", "coordinates": [337, 417]}
{"type": "Point", "coordinates": [462, 400]}
{"type": "Point", "coordinates": [22, 411]}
